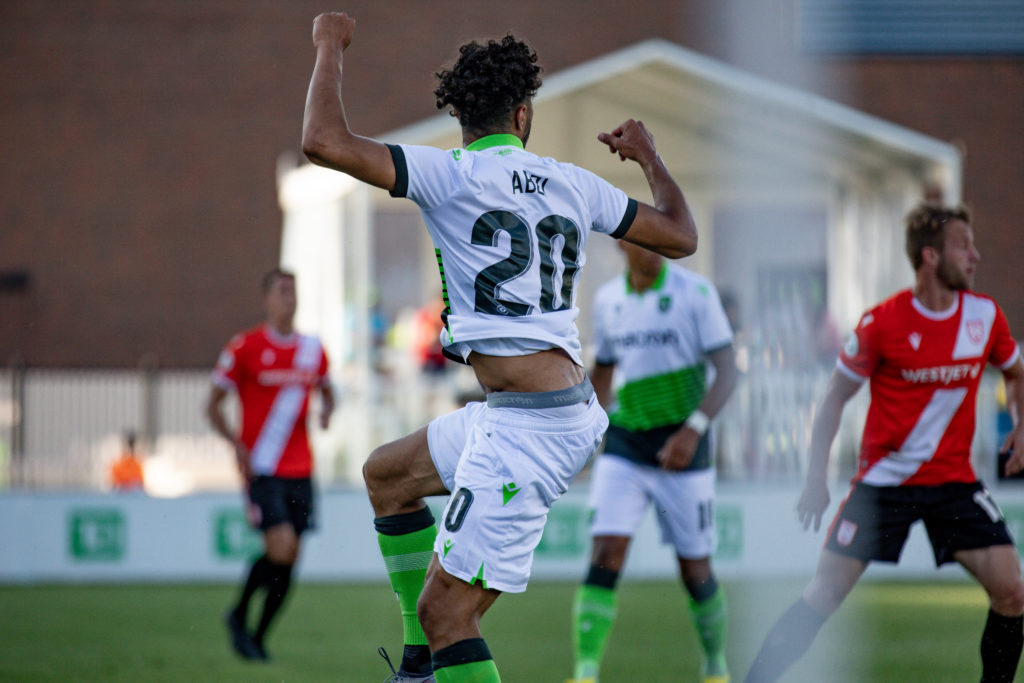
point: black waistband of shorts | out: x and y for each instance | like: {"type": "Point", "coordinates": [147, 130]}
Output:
{"type": "Point", "coordinates": [542, 399]}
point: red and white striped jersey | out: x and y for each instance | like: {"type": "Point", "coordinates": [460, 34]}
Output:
{"type": "Point", "coordinates": [273, 376]}
{"type": "Point", "coordinates": [924, 367]}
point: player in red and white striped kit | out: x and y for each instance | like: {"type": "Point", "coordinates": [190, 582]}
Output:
{"type": "Point", "coordinates": [923, 352]}
{"type": "Point", "coordinates": [273, 369]}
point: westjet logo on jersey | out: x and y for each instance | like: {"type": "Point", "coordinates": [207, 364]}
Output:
{"type": "Point", "coordinates": [281, 377]}
{"type": "Point", "coordinates": [647, 338]}
{"type": "Point", "coordinates": [943, 374]}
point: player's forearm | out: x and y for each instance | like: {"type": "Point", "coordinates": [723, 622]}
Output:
{"type": "Point", "coordinates": [221, 427]}
{"type": "Point", "coordinates": [726, 377]}
{"type": "Point", "coordinates": [326, 138]}
{"type": "Point", "coordinates": [324, 126]}
{"type": "Point", "coordinates": [670, 201]}
{"type": "Point", "coordinates": [823, 433]}
{"type": "Point", "coordinates": [219, 424]}
{"type": "Point", "coordinates": [1014, 379]}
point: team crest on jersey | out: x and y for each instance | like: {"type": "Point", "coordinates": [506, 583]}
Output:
{"type": "Point", "coordinates": [847, 530]}
{"type": "Point", "coordinates": [267, 357]}
{"type": "Point", "coordinates": [915, 340]}
{"type": "Point", "coordinates": [976, 331]}
{"type": "Point", "coordinates": [664, 303]}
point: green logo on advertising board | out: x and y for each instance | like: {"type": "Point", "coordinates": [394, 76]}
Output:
{"type": "Point", "coordinates": [565, 532]}
{"type": "Point", "coordinates": [233, 538]}
{"type": "Point", "coordinates": [97, 534]}
{"type": "Point", "coordinates": [729, 525]}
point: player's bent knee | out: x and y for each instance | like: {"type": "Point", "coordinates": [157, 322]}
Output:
{"type": "Point", "coordinates": [823, 597]}
{"type": "Point", "coordinates": [1010, 600]}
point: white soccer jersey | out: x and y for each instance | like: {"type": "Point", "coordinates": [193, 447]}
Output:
{"type": "Point", "coordinates": [510, 231]}
{"type": "Point", "coordinates": [658, 340]}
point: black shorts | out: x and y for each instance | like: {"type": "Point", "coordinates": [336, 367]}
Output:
{"type": "Point", "coordinates": [277, 500]}
{"type": "Point", "coordinates": [873, 521]}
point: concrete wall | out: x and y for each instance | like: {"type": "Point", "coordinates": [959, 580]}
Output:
{"type": "Point", "coordinates": [97, 538]}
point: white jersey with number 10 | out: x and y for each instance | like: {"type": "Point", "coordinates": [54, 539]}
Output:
{"type": "Point", "coordinates": [510, 231]}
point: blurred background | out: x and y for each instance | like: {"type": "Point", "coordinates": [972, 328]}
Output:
{"type": "Point", "coordinates": [152, 174]}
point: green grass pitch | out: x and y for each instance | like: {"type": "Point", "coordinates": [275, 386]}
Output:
{"type": "Point", "coordinates": [896, 632]}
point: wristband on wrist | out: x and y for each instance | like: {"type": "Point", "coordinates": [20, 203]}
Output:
{"type": "Point", "coordinates": [698, 422]}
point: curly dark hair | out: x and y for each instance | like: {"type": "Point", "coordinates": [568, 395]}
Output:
{"type": "Point", "coordinates": [926, 227]}
{"type": "Point", "coordinates": [488, 82]}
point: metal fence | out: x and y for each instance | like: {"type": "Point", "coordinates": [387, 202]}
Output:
{"type": "Point", "coordinates": [61, 429]}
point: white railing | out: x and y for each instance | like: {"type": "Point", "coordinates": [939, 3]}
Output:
{"type": "Point", "coordinates": [61, 429]}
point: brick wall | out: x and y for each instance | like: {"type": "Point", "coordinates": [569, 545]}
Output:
{"type": "Point", "coordinates": [139, 142]}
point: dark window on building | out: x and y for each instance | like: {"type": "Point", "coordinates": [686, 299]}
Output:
{"type": "Point", "coordinates": [911, 27]}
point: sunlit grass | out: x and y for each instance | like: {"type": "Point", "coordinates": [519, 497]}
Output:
{"type": "Point", "coordinates": [896, 632]}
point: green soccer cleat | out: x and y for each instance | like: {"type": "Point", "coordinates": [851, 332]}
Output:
{"type": "Point", "coordinates": [586, 672]}
{"type": "Point", "coordinates": [716, 671]}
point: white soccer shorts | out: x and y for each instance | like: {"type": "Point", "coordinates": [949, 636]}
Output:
{"type": "Point", "coordinates": [513, 463]}
{"type": "Point", "coordinates": [621, 490]}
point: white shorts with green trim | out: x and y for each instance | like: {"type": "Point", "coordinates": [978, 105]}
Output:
{"type": "Point", "coordinates": [621, 491]}
{"type": "Point", "coordinates": [514, 463]}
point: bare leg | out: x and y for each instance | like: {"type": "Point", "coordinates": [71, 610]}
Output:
{"type": "Point", "coordinates": [398, 476]}
{"type": "Point", "coordinates": [709, 611]}
{"type": "Point", "coordinates": [594, 604]}
{"type": "Point", "coordinates": [997, 569]}
{"type": "Point", "coordinates": [791, 636]}
{"type": "Point", "coordinates": [450, 610]}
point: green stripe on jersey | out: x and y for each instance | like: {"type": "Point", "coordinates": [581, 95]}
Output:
{"type": "Point", "coordinates": [659, 400]}
{"type": "Point", "coordinates": [444, 292]}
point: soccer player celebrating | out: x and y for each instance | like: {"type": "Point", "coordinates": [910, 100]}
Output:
{"type": "Point", "coordinates": [655, 329]}
{"type": "Point", "coordinates": [923, 351]}
{"type": "Point", "coordinates": [510, 231]}
{"type": "Point", "coordinates": [273, 369]}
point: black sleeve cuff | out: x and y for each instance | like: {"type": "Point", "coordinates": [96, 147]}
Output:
{"type": "Point", "coordinates": [401, 172]}
{"type": "Point", "coordinates": [454, 357]}
{"type": "Point", "coordinates": [627, 219]}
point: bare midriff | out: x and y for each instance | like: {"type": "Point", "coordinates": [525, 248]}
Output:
{"type": "Point", "coordinates": [549, 370]}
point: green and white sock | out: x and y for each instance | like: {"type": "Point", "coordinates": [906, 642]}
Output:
{"type": "Point", "coordinates": [711, 619]}
{"type": "Point", "coordinates": [593, 617]}
{"type": "Point", "coordinates": [407, 557]}
{"type": "Point", "coordinates": [471, 672]}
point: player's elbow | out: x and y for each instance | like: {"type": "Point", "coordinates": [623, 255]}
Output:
{"type": "Point", "coordinates": [683, 244]}
{"type": "Point", "coordinates": [315, 148]}
{"type": "Point", "coordinates": [322, 145]}
{"type": "Point", "coordinates": [681, 237]}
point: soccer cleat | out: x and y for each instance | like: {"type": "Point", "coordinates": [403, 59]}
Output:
{"type": "Point", "coordinates": [261, 650]}
{"type": "Point", "coordinates": [586, 672]}
{"type": "Point", "coordinates": [401, 676]}
{"type": "Point", "coordinates": [241, 641]}
{"type": "Point", "coordinates": [715, 670]}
